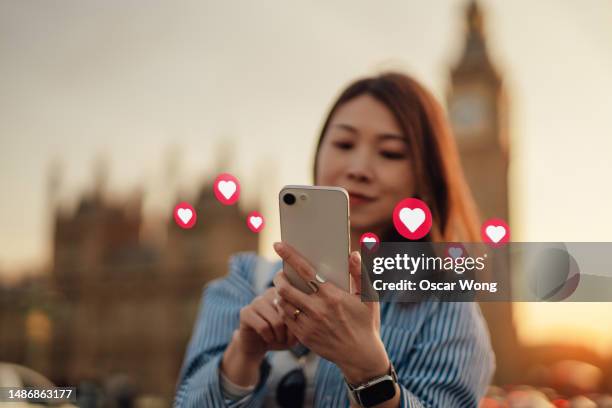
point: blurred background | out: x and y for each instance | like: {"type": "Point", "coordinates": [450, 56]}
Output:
{"type": "Point", "coordinates": [113, 112]}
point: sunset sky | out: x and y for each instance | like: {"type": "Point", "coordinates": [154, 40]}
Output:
{"type": "Point", "coordinates": [132, 80]}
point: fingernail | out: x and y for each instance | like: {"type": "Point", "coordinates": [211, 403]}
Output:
{"type": "Point", "coordinates": [356, 257]}
{"type": "Point", "coordinates": [278, 246]}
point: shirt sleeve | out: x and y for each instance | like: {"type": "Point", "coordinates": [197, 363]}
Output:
{"type": "Point", "coordinates": [199, 382]}
{"type": "Point", "coordinates": [233, 391]}
{"type": "Point", "coordinates": [449, 364]}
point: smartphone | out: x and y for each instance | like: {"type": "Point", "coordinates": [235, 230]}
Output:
{"type": "Point", "coordinates": [315, 221]}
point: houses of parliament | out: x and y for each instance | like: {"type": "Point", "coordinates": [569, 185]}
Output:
{"type": "Point", "coordinates": [112, 304]}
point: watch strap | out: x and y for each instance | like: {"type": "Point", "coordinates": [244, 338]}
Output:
{"type": "Point", "coordinates": [355, 390]}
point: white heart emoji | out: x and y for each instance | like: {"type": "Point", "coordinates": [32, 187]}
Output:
{"type": "Point", "coordinates": [227, 188]}
{"type": "Point", "coordinates": [184, 214]}
{"type": "Point", "coordinates": [455, 252]}
{"type": "Point", "coordinates": [412, 218]}
{"type": "Point", "coordinates": [256, 221]}
{"type": "Point", "coordinates": [369, 242]}
{"type": "Point", "coordinates": [496, 233]}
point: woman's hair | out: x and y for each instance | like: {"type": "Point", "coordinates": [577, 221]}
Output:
{"type": "Point", "coordinates": [439, 179]}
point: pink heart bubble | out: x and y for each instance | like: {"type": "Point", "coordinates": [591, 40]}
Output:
{"type": "Point", "coordinates": [495, 232]}
{"type": "Point", "coordinates": [412, 218]}
{"type": "Point", "coordinates": [255, 221]}
{"type": "Point", "coordinates": [226, 188]}
{"type": "Point", "coordinates": [185, 215]}
{"type": "Point", "coordinates": [370, 241]}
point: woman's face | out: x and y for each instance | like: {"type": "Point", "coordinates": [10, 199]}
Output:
{"type": "Point", "coordinates": [364, 151]}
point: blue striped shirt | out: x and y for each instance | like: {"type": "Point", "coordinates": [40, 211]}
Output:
{"type": "Point", "coordinates": [441, 350]}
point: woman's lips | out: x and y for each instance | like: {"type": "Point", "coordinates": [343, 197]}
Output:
{"type": "Point", "coordinates": [358, 199]}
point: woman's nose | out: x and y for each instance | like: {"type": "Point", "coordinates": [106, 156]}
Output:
{"type": "Point", "coordinates": [360, 168]}
{"type": "Point", "coordinates": [357, 175]}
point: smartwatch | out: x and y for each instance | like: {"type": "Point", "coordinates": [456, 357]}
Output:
{"type": "Point", "coordinates": [374, 391]}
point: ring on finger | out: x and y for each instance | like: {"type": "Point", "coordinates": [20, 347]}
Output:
{"type": "Point", "coordinates": [296, 313]}
{"type": "Point", "coordinates": [314, 283]}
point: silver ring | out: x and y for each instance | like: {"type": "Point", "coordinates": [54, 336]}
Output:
{"type": "Point", "coordinates": [312, 284]}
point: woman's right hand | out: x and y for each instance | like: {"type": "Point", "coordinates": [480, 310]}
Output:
{"type": "Point", "coordinates": [261, 329]}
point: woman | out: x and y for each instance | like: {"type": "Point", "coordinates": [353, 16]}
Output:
{"type": "Point", "coordinates": [260, 342]}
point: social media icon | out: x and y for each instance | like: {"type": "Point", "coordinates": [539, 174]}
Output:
{"type": "Point", "coordinates": [495, 232]}
{"type": "Point", "coordinates": [412, 218]}
{"type": "Point", "coordinates": [255, 221]}
{"type": "Point", "coordinates": [184, 215]}
{"type": "Point", "coordinates": [227, 189]}
{"type": "Point", "coordinates": [455, 251]}
{"type": "Point", "coordinates": [370, 241]}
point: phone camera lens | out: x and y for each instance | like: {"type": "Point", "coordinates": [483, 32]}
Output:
{"type": "Point", "coordinates": [289, 199]}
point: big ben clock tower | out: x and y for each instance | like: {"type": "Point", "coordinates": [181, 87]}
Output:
{"type": "Point", "coordinates": [477, 109]}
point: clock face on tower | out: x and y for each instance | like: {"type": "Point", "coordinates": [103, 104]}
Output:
{"type": "Point", "coordinates": [470, 114]}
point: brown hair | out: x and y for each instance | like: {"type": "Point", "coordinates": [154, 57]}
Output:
{"type": "Point", "coordinates": [436, 165]}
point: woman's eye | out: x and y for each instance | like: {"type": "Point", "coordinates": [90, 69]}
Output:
{"type": "Point", "coordinates": [343, 145]}
{"type": "Point", "coordinates": [393, 155]}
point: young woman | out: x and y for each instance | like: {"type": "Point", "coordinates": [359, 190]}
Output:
{"type": "Point", "coordinates": [259, 341]}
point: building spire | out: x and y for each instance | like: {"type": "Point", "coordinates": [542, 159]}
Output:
{"type": "Point", "coordinates": [54, 182]}
{"type": "Point", "coordinates": [474, 18]}
{"type": "Point", "coordinates": [100, 176]}
{"type": "Point", "coordinates": [475, 56]}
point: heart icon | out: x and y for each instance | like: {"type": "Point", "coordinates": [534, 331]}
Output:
{"type": "Point", "coordinates": [412, 218]}
{"type": "Point", "coordinates": [184, 215]}
{"type": "Point", "coordinates": [369, 240]}
{"type": "Point", "coordinates": [455, 252]}
{"type": "Point", "coordinates": [226, 188]}
{"type": "Point", "coordinates": [496, 233]}
{"type": "Point", "coordinates": [255, 221]}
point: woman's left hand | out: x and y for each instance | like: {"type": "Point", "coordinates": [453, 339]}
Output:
{"type": "Point", "coordinates": [333, 323]}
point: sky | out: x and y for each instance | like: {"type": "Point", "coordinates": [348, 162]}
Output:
{"type": "Point", "coordinates": [131, 81]}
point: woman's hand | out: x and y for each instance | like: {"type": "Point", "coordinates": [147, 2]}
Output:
{"type": "Point", "coordinates": [335, 324]}
{"type": "Point", "coordinates": [261, 329]}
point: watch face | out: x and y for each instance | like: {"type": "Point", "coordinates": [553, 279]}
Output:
{"type": "Point", "coordinates": [377, 393]}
